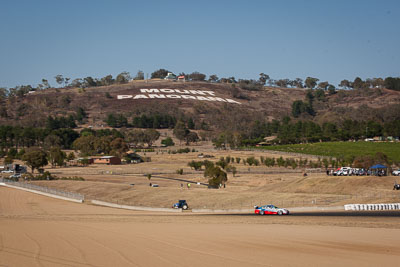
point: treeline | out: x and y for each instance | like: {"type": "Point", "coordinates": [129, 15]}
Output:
{"type": "Point", "coordinates": [68, 122]}
{"type": "Point", "coordinates": [20, 137]}
{"type": "Point", "coordinates": [392, 83]}
{"type": "Point", "coordinates": [288, 132]}
{"type": "Point", "coordinates": [228, 163]}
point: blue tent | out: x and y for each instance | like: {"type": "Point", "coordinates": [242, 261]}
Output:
{"type": "Point", "coordinates": [378, 166]}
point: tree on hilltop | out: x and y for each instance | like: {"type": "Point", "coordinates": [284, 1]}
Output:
{"type": "Point", "coordinates": [263, 78]}
{"type": "Point", "coordinates": [160, 74]}
{"type": "Point", "coordinates": [123, 77]}
{"type": "Point", "coordinates": [311, 82]}
{"type": "Point", "coordinates": [197, 76]}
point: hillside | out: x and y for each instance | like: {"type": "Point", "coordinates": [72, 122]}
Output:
{"type": "Point", "coordinates": [222, 112]}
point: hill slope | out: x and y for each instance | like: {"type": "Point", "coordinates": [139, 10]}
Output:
{"type": "Point", "coordinates": [223, 111]}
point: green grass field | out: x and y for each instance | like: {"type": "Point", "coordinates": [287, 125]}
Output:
{"type": "Point", "coordinates": [343, 149]}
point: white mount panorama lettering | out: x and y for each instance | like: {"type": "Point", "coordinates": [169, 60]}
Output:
{"type": "Point", "coordinates": [165, 93]}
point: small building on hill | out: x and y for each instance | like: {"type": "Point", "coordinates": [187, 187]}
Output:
{"type": "Point", "coordinates": [268, 141]}
{"type": "Point", "coordinates": [181, 78]}
{"type": "Point", "coordinates": [109, 160]}
{"type": "Point", "coordinates": [170, 76]}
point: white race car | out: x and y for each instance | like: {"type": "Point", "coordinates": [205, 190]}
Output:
{"type": "Point", "coordinates": [270, 209]}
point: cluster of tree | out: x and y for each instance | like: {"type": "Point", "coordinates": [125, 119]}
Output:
{"type": "Point", "coordinates": [155, 121]}
{"type": "Point", "coordinates": [60, 122]}
{"type": "Point", "coordinates": [137, 137]}
{"type": "Point", "coordinates": [308, 131]}
{"type": "Point", "coordinates": [21, 90]}
{"type": "Point", "coordinates": [36, 157]}
{"type": "Point", "coordinates": [181, 151]}
{"type": "Point", "coordinates": [250, 85]}
{"type": "Point", "coordinates": [113, 142]}
{"type": "Point", "coordinates": [288, 132]}
{"type": "Point", "coordinates": [123, 77]}
{"type": "Point", "coordinates": [92, 145]}
{"type": "Point", "coordinates": [309, 82]}
{"type": "Point", "coordinates": [182, 132]}
{"type": "Point", "coordinates": [299, 107]}
{"type": "Point", "coordinates": [215, 174]}
{"type": "Point", "coordinates": [102, 132]}
{"type": "Point", "coordinates": [20, 137]}
{"type": "Point", "coordinates": [116, 120]}
{"type": "Point", "coordinates": [194, 76]}
{"type": "Point", "coordinates": [167, 141]}
{"type": "Point", "coordinates": [13, 138]}
{"type": "Point", "coordinates": [392, 83]}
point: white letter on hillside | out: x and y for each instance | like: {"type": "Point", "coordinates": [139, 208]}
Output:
{"type": "Point", "coordinates": [182, 92]}
{"type": "Point", "coordinates": [217, 99]}
{"type": "Point", "coordinates": [173, 96]}
{"type": "Point", "coordinates": [149, 90]}
{"type": "Point", "coordinates": [124, 96]}
{"type": "Point", "coordinates": [209, 92]}
{"type": "Point", "coordinates": [195, 92]}
{"type": "Point", "coordinates": [203, 98]}
{"type": "Point", "coordinates": [167, 90]}
{"type": "Point", "coordinates": [188, 97]}
{"type": "Point", "coordinates": [140, 96]}
{"type": "Point", "coordinates": [156, 96]}
{"type": "Point", "coordinates": [233, 101]}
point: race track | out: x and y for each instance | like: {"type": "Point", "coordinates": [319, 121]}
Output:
{"type": "Point", "coordinates": [41, 231]}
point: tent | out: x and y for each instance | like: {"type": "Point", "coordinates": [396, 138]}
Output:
{"type": "Point", "coordinates": [378, 166]}
{"type": "Point", "coordinates": [379, 169]}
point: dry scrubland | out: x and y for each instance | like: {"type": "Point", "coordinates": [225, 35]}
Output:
{"type": "Point", "coordinates": [280, 186]}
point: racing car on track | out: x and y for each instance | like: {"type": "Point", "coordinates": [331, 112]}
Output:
{"type": "Point", "coordinates": [270, 209]}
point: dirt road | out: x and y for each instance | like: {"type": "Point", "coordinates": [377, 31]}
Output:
{"type": "Point", "coordinates": [41, 231]}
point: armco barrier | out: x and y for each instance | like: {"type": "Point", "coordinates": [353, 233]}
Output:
{"type": "Point", "coordinates": [119, 206]}
{"type": "Point", "coordinates": [45, 191]}
{"type": "Point", "coordinates": [222, 210]}
{"type": "Point", "coordinates": [387, 206]}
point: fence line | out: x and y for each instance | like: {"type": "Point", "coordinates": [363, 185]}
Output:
{"type": "Point", "coordinates": [44, 189]}
{"type": "Point", "coordinates": [294, 154]}
{"type": "Point", "coordinates": [302, 201]}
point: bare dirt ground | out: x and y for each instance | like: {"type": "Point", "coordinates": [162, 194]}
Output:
{"type": "Point", "coordinates": [252, 185]}
{"type": "Point", "coordinates": [41, 231]}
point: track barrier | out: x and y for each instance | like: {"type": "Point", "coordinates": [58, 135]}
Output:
{"type": "Point", "coordinates": [119, 206]}
{"type": "Point", "coordinates": [45, 191]}
{"type": "Point", "coordinates": [386, 206]}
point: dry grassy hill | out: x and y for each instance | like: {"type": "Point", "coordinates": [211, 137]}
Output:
{"type": "Point", "coordinates": [267, 104]}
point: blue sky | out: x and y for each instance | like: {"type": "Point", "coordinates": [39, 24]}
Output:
{"type": "Point", "coordinates": [330, 40]}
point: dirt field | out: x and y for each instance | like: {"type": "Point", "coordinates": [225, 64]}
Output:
{"type": "Point", "coordinates": [252, 185]}
{"type": "Point", "coordinates": [41, 231]}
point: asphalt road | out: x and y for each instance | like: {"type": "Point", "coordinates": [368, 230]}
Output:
{"type": "Point", "coordinates": [389, 213]}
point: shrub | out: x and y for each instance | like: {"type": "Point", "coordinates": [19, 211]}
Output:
{"type": "Point", "coordinates": [195, 165]}
{"type": "Point", "coordinates": [167, 142]}
{"type": "Point", "coordinates": [216, 175]}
